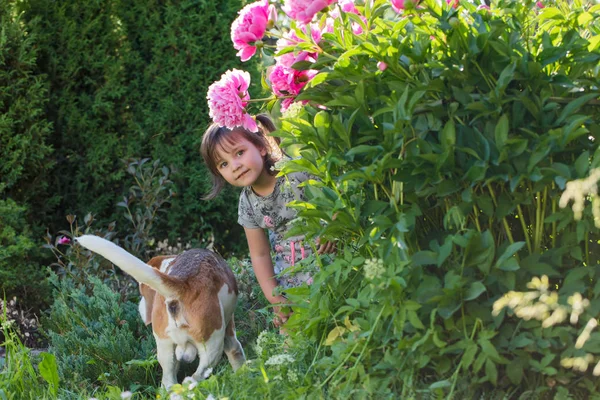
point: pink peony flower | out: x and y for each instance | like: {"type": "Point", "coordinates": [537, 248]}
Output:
{"type": "Point", "coordinates": [483, 7]}
{"type": "Point", "coordinates": [64, 240]}
{"type": "Point", "coordinates": [268, 221]}
{"type": "Point", "coordinates": [304, 10]}
{"type": "Point", "coordinates": [382, 66]}
{"type": "Point", "coordinates": [250, 26]}
{"type": "Point", "coordinates": [453, 3]}
{"type": "Point", "coordinates": [286, 81]}
{"type": "Point", "coordinates": [227, 99]}
{"type": "Point", "coordinates": [400, 5]}
{"type": "Point", "coordinates": [539, 4]}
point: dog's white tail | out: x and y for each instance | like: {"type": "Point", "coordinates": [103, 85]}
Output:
{"type": "Point", "coordinates": [135, 267]}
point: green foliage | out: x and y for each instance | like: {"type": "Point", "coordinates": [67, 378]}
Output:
{"type": "Point", "coordinates": [24, 160]}
{"type": "Point", "coordinates": [448, 166]}
{"type": "Point", "coordinates": [20, 274]}
{"type": "Point", "coordinates": [94, 335]}
{"type": "Point", "coordinates": [128, 80]}
{"type": "Point", "coordinates": [23, 98]}
{"type": "Point", "coordinates": [251, 314]}
{"type": "Point", "coordinates": [19, 378]}
{"type": "Point", "coordinates": [145, 200]}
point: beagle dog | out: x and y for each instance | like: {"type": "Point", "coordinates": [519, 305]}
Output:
{"type": "Point", "coordinates": [189, 299]}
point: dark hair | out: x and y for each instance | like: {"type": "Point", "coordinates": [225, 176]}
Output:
{"type": "Point", "coordinates": [215, 135]}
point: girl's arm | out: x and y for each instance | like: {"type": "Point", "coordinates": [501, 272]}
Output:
{"type": "Point", "coordinates": [260, 254]}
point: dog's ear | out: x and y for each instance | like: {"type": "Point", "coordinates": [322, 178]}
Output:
{"type": "Point", "coordinates": [147, 302]}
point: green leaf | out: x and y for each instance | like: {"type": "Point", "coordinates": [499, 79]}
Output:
{"type": "Point", "coordinates": [469, 354]}
{"type": "Point", "coordinates": [491, 371]}
{"type": "Point", "coordinates": [448, 139]}
{"type": "Point", "coordinates": [575, 105]}
{"type": "Point", "coordinates": [414, 320]}
{"type": "Point", "coordinates": [510, 265]}
{"type": "Point", "coordinates": [440, 385]}
{"type": "Point", "coordinates": [522, 340]}
{"type": "Point", "coordinates": [509, 252]}
{"type": "Point", "coordinates": [582, 164]}
{"type": "Point", "coordinates": [501, 131]}
{"type": "Point", "coordinates": [49, 371]}
{"type": "Point", "coordinates": [506, 76]}
{"type": "Point", "coordinates": [514, 371]}
{"type": "Point", "coordinates": [594, 43]}
{"type": "Point", "coordinates": [474, 291]}
{"type": "Point", "coordinates": [551, 13]}
{"type": "Point", "coordinates": [424, 257]}
{"type": "Point", "coordinates": [318, 79]}
{"type": "Point", "coordinates": [489, 350]}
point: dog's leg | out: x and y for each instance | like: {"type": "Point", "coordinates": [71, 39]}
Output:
{"type": "Point", "coordinates": [209, 354]}
{"type": "Point", "coordinates": [165, 353]}
{"type": "Point", "coordinates": [233, 348]}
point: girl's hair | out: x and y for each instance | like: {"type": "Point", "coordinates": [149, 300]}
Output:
{"type": "Point", "coordinates": [214, 137]}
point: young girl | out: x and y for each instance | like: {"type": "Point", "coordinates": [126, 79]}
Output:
{"type": "Point", "coordinates": [244, 159]}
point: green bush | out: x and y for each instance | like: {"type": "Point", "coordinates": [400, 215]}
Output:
{"type": "Point", "coordinates": [23, 98]}
{"type": "Point", "coordinates": [20, 273]}
{"type": "Point", "coordinates": [128, 80]}
{"type": "Point", "coordinates": [24, 161]}
{"type": "Point", "coordinates": [95, 336]}
{"type": "Point", "coordinates": [440, 175]}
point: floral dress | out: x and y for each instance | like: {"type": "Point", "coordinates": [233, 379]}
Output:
{"type": "Point", "coordinates": [271, 212]}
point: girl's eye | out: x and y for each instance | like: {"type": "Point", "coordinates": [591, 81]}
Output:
{"type": "Point", "coordinates": [239, 153]}
{"type": "Point", "coordinates": [223, 164]}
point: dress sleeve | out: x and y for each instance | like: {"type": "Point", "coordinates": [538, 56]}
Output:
{"type": "Point", "coordinates": [246, 214]}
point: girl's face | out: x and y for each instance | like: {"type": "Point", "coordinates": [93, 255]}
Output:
{"type": "Point", "coordinates": [240, 162]}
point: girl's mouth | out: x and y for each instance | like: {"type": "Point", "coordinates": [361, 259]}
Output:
{"type": "Point", "coordinates": [242, 174]}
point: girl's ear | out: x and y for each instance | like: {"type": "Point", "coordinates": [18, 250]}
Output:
{"type": "Point", "coordinates": [263, 151]}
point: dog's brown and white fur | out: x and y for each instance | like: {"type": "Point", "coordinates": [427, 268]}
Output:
{"type": "Point", "coordinates": [189, 299]}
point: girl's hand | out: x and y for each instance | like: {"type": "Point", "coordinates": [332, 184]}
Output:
{"type": "Point", "coordinates": [282, 311]}
{"type": "Point", "coordinates": [326, 247]}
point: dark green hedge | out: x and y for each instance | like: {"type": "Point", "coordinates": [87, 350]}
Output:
{"type": "Point", "coordinates": [86, 85]}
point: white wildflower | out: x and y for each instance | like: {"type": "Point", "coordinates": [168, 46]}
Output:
{"type": "Point", "coordinates": [374, 268]}
{"type": "Point", "coordinates": [558, 316]}
{"type": "Point", "coordinates": [577, 363]}
{"type": "Point", "coordinates": [292, 376]}
{"type": "Point", "coordinates": [596, 371]}
{"type": "Point", "coordinates": [567, 362]}
{"type": "Point", "coordinates": [582, 363]}
{"type": "Point", "coordinates": [126, 395]}
{"type": "Point", "coordinates": [550, 299]}
{"type": "Point", "coordinates": [596, 210]}
{"type": "Point", "coordinates": [537, 311]}
{"type": "Point", "coordinates": [585, 335]}
{"type": "Point", "coordinates": [577, 191]}
{"type": "Point", "coordinates": [578, 304]}
{"type": "Point", "coordinates": [175, 396]}
{"type": "Point", "coordinates": [539, 284]}
{"type": "Point", "coordinates": [260, 342]}
{"type": "Point", "coordinates": [280, 359]}
{"type": "Point", "coordinates": [499, 305]}
{"type": "Point", "coordinates": [293, 111]}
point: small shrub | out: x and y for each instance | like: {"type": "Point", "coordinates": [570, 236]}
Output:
{"type": "Point", "coordinates": [94, 334]}
{"type": "Point", "coordinates": [21, 275]}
